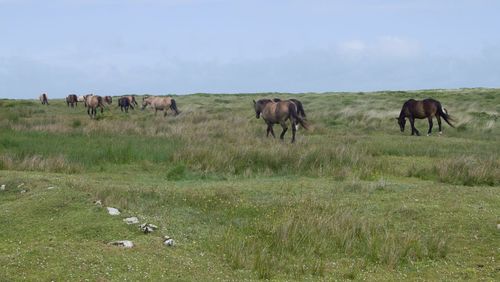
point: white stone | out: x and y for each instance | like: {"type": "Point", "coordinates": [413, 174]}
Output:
{"type": "Point", "coordinates": [122, 243]}
{"type": "Point", "coordinates": [169, 242]}
{"type": "Point", "coordinates": [113, 211]}
{"type": "Point", "coordinates": [50, 188]}
{"type": "Point", "coordinates": [2, 187]}
{"type": "Point", "coordinates": [147, 227]}
{"type": "Point", "coordinates": [131, 220]}
{"type": "Point", "coordinates": [498, 226]}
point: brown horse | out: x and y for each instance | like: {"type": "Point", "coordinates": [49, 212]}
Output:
{"type": "Point", "coordinates": [160, 103]}
{"type": "Point", "coordinates": [278, 112]}
{"type": "Point", "coordinates": [427, 108]}
{"type": "Point", "coordinates": [44, 99]}
{"type": "Point", "coordinates": [300, 108]}
{"type": "Point", "coordinates": [93, 102]}
{"type": "Point", "coordinates": [72, 100]}
{"type": "Point", "coordinates": [108, 100]}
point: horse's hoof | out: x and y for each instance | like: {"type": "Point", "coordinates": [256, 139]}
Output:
{"type": "Point", "coordinates": [428, 134]}
{"type": "Point", "coordinates": [440, 132]}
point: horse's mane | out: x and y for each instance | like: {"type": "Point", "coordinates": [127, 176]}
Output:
{"type": "Point", "coordinates": [264, 101]}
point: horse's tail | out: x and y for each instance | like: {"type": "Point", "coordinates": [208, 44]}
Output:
{"type": "Point", "coordinates": [99, 102]}
{"type": "Point", "coordinates": [300, 108]}
{"type": "Point", "coordinates": [292, 108]}
{"type": "Point", "coordinates": [444, 114]}
{"type": "Point", "coordinates": [173, 106]}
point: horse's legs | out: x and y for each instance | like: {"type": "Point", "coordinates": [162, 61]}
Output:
{"type": "Point", "coordinates": [413, 128]}
{"type": "Point", "coordinates": [270, 129]}
{"type": "Point", "coordinates": [430, 126]}
{"type": "Point", "coordinates": [285, 128]}
{"type": "Point", "coordinates": [294, 129]}
{"type": "Point", "coordinates": [439, 123]}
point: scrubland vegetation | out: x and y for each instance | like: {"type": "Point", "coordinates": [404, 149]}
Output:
{"type": "Point", "coordinates": [353, 198]}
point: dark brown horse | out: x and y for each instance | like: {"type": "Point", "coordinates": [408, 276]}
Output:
{"type": "Point", "coordinates": [72, 100]}
{"type": "Point", "coordinates": [427, 108]}
{"type": "Point", "coordinates": [279, 112]}
{"type": "Point", "coordinates": [131, 100]}
{"type": "Point", "coordinates": [124, 104]}
{"type": "Point", "coordinates": [300, 108]}
{"type": "Point", "coordinates": [44, 99]}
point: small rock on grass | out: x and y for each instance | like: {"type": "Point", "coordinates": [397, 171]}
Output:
{"type": "Point", "coordinates": [50, 188]}
{"type": "Point", "coordinates": [113, 211]}
{"type": "Point", "coordinates": [167, 241]}
{"type": "Point", "coordinates": [148, 227]}
{"type": "Point", "coordinates": [498, 226]}
{"type": "Point", "coordinates": [2, 187]}
{"type": "Point", "coordinates": [122, 243]}
{"type": "Point", "coordinates": [131, 220]}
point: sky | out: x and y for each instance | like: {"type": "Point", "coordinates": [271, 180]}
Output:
{"type": "Point", "coordinates": [113, 47]}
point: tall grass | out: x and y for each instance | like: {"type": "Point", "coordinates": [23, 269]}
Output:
{"type": "Point", "coordinates": [353, 136]}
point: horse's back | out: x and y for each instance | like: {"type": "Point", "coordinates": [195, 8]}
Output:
{"type": "Point", "coordinates": [421, 108]}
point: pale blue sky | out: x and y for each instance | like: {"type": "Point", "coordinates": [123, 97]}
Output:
{"type": "Point", "coordinates": [111, 47]}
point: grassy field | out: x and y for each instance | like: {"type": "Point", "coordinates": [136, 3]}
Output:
{"type": "Point", "coordinates": [353, 198]}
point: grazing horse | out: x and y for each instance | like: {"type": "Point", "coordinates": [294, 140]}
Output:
{"type": "Point", "coordinates": [300, 108]}
{"type": "Point", "coordinates": [124, 103]}
{"type": "Point", "coordinates": [44, 99]}
{"type": "Point", "coordinates": [108, 100]}
{"type": "Point", "coordinates": [279, 112]}
{"type": "Point", "coordinates": [93, 102]}
{"type": "Point", "coordinates": [131, 100]}
{"type": "Point", "coordinates": [85, 98]}
{"type": "Point", "coordinates": [160, 103]}
{"type": "Point", "coordinates": [72, 100]}
{"type": "Point", "coordinates": [427, 108]}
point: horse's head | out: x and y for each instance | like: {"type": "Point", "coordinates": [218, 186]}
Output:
{"type": "Point", "coordinates": [260, 105]}
{"type": "Point", "coordinates": [145, 103]}
{"type": "Point", "coordinates": [402, 123]}
{"type": "Point", "coordinates": [258, 108]}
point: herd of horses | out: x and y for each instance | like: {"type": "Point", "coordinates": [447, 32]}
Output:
{"type": "Point", "coordinates": [94, 102]}
{"type": "Point", "coordinates": [272, 111]}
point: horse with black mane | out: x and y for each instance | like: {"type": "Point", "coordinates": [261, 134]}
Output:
{"type": "Point", "coordinates": [93, 102]}
{"type": "Point", "coordinates": [131, 100]}
{"type": "Point", "coordinates": [124, 104]}
{"type": "Point", "coordinates": [44, 99]}
{"type": "Point", "coordinates": [72, 100]}
{"type": "Point", "coordinates": [427, 108]}
{"type": "Point", "coordinates": [279, 112]}
{"type": "Point", "coordinates": [300, 108]}
{"type": "Point", "coordinates": [160, 104]}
